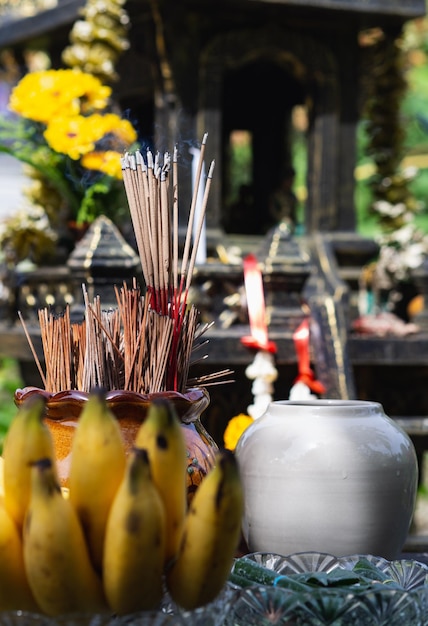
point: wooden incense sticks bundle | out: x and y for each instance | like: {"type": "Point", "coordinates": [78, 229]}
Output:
{"type": "Point", "coordinates": [154, 213]}
{"type": "Point", "coordinates": [146, 341]}
{"type": "Point", "coordinates": [56, 342]}
{"type": "Point", "coordinates": [153, 204]}
{"type": "Point", "coordinates": [127, 347]}
{"type": "Point", "coordinates": [102, 360]}
{"type": "Point", "coordinates": [145, 344]}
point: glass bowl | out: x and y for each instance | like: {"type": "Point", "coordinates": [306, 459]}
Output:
{"type": "Point", "coordinates": [397, 595]}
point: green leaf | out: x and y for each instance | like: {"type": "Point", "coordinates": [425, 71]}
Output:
{"type": "Point", "coordinates": [335, 578]}
{"type": "Point", "coordinates": [367, 570]}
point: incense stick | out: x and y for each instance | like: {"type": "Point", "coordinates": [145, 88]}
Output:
{"type": "Point", "coordinates": [199, 227]}
{"type": "Point", "coordinates": [175, 221]}
{"type": "Point", "coordinates": [189, 233]}
{"type": "Point", "coordinates": [32, 348]}
{"type": "Point", "coordinates": [147, 342]}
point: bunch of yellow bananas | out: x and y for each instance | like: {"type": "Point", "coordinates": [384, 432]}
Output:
{"type": "Point", "coordinates": [124, 530]}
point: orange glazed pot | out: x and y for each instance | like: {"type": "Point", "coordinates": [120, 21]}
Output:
{"type": "Point", "coordinates": [130, 408]}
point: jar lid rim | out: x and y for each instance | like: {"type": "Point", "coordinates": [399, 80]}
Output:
{"type": "Point", "coordinates": [324, 406]}
{"type": "Point", "coordinates": [327, 402]}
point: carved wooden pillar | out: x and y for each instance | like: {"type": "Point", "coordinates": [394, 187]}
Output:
{"type": "Point", "coordinates": [321, 208]}
{"type": "Point", "coordinates": [349, 115]}
{"type": "Point", "coordinates": [209, 121]}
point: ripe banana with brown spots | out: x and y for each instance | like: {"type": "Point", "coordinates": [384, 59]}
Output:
{"type": "Point", "coordinates": [134, 550]}
{"type": "Point", "coordinates": [97, 466]}
{"type": "Point", "coordinates": [162, 436]}
{"type": "Point", "coordinates": [15, 592]}
{"type": "Point", "coordinates": [57, 563]}
{"type": "Point", "coordinates": [210, 537]}
{"type": "Point", "coordinates": [27, 440]}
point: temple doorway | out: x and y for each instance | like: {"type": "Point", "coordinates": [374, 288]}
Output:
{"type": "Point", "coordinates": [258, 106]}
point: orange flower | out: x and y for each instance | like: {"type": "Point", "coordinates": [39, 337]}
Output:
{"type": "Point", "coordinates": [235, 428]}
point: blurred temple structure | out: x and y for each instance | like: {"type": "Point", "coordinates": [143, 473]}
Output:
{"type": "Point", "coordinates": [260, 77]}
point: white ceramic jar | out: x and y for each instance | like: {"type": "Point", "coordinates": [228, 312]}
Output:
{"type": "Point", "coordinates": [335, 476]}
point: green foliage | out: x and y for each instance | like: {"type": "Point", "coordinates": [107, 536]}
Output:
{"type": "Point", "coordinates": [104, 197]}
{"type": "Point", "coordinates": [414, 110]}
{"type": "Point", "coordinates": [10, 380]}
{"type": "Point", "coordinates": [413, 117]}
{"type": "Point", "coordinates": [24, 141]}
{"type": "Point", "coordinates": [367, 223]}
{"type": "Point", "coordinates": [240, 169]}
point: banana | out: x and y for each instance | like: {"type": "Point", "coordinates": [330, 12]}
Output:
{"type": "Point", "coordinates": [210, 538]}
{"type": "Point", "coordinates": [162, 436]}
{"type": "Point", "coordinates": [15, 592]}
{"type": "Point", "coordinates": [96, 470]}
{"type": "Point", "coordinates": [1, 479]}
{"type": "Point", "coordinates": [27, 440]}
{"type": "Point", "coordinates": [59, 570]}
{"type": "Point", "coordinates": [134, 550]}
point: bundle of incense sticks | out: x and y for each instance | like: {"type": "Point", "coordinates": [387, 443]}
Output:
{"type": "Point", "coordinates": [127, 347]}
{"type": "Point", "coordinates": [153, 203]}
{"type": "Point", "coordinates": [146, 343]}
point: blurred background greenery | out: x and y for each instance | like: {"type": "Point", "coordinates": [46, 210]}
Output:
{"type": "Point", "coordinates": [10, 380]}
{"type": "Point", "coordinates": [414, 122]}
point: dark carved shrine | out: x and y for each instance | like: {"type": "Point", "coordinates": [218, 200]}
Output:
{"type": "Point", "coordinates": [220, 66]}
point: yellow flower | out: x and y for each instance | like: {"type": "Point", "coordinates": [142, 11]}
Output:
{"type": "Point", "coordinates": [73, 136]}
{"type": "Point", "coordinates": [40, 96]}
{"type": "Point", "coordinates": [93, 92]}
{"type": "Point", "coordinates": [107, 162]}
{"type": "Point", "coordinates": [122, 129]}
{"type": "Point", "coordinates": [65, 116]}
{"type": "Point", "coordinates": [234, 430]}
{"type": "Point", "coordinates": [78, 135]}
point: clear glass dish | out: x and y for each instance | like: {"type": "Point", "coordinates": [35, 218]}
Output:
{"type": "Point", "coordinates": [401, 598]}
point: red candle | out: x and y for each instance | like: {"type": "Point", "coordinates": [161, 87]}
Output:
{"type": "Point", "coordinates": [305, 373]}
{"type": "Point", "coordinates": [253, 281]}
